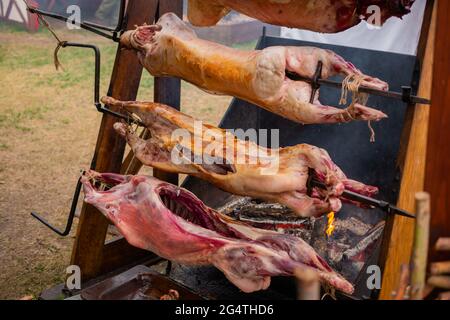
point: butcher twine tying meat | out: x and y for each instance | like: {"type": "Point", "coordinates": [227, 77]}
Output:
{"type": "Point", "coordinates": [237, 166]}
{"type": "Point", "coordinates": [173, 223]}
{"type": "Point", "coordinates": [171, 48]}
{"type": "Point", "coordinates": [327, 16]}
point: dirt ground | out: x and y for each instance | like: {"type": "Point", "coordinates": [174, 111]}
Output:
{"type": "Point", "coordinates": [48, 130]}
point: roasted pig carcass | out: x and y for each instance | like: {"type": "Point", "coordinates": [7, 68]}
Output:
{"type": "Point", "coordinates": [171, 48]}
{"type": "Point", "coordinates": [180, 144]}
{"type": "Point", "coordinates": [173, 223]}
{"type": "Point", "coordinates": [328, 16]}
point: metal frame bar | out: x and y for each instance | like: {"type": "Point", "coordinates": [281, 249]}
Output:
{"type": "Point", "coordinates": [350, 195]}
{"type": "Point", "coordinates": [100, 108]}
{"type": "Point", "coordinates": [405, 96]}
{"type": "Point", "coordinates": [90, 26]}
{"type": "Point", "coordinates": [70, 218]}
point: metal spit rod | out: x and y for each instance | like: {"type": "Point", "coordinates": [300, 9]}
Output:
{"type": "Point", "coordinates": [99, 108]}
{"type": "Point", "coordinates": [383, 205]}
{"type": "Point", "coordinates": [111, 33]}
{"type": "Point", "coordinates": [405, 96]}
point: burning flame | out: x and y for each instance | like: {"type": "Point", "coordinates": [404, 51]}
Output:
{"type": "Point", "coordinates": [330, 224]}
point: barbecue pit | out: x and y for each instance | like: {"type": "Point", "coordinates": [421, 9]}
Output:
{"type": "Point", "coordinates": [358, 239]}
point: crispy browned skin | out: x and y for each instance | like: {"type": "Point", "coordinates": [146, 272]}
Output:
{"type": "Point", "coordinates": [171, 48]}
{"type": "Point", "coordinates": [238, 166]}
{"type": "Point", "coordinates": [328, 16]}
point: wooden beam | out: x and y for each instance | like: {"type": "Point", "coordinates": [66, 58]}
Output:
{"type": "Point", "coordinates": [90, 239]}
{"type": "Point", "coordinates": [399, 230]}
{"type": "Point", "coordinates": [118, 253]}
{"type": "Point", "coordinates": [168, 90]}
{"type": "Point", "coordinates": [131, 164]}
{"type": "Point", "coordinates": [437, 178]}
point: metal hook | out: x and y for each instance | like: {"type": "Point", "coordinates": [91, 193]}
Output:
{"type": "Point", "coordinates": [101, 109]}
{"type": "Point", "coordinates": [406, 94]}
{"type": "Point", "coordinates": [101, 30]}
{"type": "Point", "coordinates": [315, 83]}
{"type": "Point", "coordinates": [71, 216]}
{"type": "Point", "coordinates": [97, 104]}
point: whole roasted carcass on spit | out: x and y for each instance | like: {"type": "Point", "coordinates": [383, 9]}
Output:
{"type": "Point", "coordinates": [328, 16]}
{"type": "Point", "coordinates": [180, 144]}
{"type": "Point", "coordinates": [173, 223]}
{"type": "Point", "coordinates": [171, 48]}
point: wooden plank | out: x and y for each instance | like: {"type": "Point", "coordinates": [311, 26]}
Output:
{"type": "Point", "coordinates": [118, 253]}
{"type": "Point", "coordinates": [88, 248]}
{"type": "Point", "coordinates": [437, 177]}
{"type": "Point", "coordinates": [399, 230]}
{"type": "Point", "coordinates": [168, 90]}
{"type": "Point", "coordinates": [421, 50]}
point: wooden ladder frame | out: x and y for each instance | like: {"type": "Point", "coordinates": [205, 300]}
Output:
{"type": "Point", "coordinates": [90, 252]}
{"type": "Point", "coordinates": [427, 158]}
{"type": "Point", "coordinates": [420, 172]}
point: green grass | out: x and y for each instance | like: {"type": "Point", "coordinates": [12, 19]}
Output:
{"type": "Point", "coordinates": [147, 81]}
{"type": "Point", "coordinates": [15, 28]}
{"type": "Point", "coordinates": [17, 119]}
{"type": "Point", "coordinates": [2, 54]}
{"type": "Point", "coordinates": [30, 57]}
{"type": "Point", "coordinates": [38, 106]}
{"type": "Point", "coordinates": [3, 146]}
{"type": "Point", "coordinates": [77, 67]}
{"type": "Point", "coordinates": [39, 268]}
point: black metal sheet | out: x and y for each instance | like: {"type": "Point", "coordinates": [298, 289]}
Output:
{"type": "Point", "coordinates": [348, 144]}
{"type": "Point", "coordinates": [137, 283]}
{"type": "Point", "coordinates": [211, 283]}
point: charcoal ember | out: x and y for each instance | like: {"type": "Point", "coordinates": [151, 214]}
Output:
{"type": "Point", "coordinates": [353, 225]}
{"type": "Point", "coordinates": [349, 247]}
{"type": "Point", "coordinates": [256, 208]}
{"type": "Point", "coordinates": [358, 252]}
{"type": "Point", "coordinates": [270, 216]}
{"type": "Point", "coordinates": [234, 203]}
{"type": "Point", "coordinates": [347, 250]}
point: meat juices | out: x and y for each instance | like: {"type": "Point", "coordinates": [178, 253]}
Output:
{"type": "Point", "coordinates": [173, 223]}
{"type": "Point", "coordinates": [240, 167]}
{"type": "Point", "coordinates": [328, 16]}
{"type": "Point", "coordinates": [171, 48]}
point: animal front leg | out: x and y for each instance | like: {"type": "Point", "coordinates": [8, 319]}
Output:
{"type": "Point", "coordinates": [304, 160]}
{"type": "Point", "coordinates": [303, 61]}
{"type": "Point", "coordinates": [307, 206]}
{"type": "Point", "coordinates": [152, 152]}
